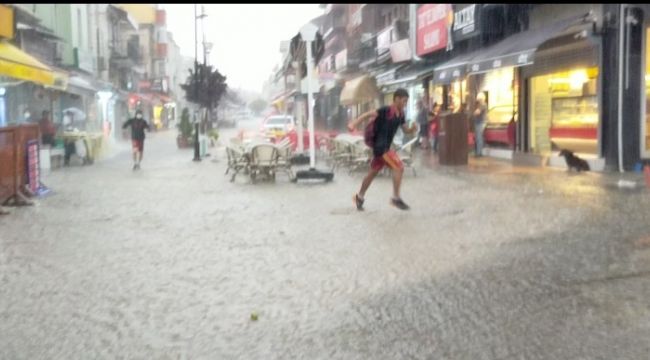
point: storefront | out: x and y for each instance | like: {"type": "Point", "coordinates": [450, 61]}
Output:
{"type": "Point", "coordinates": [644, 12]}
{"type": "Point", "coordinates": [564, 111]}
{"type": "Point", "coordinates": [563, 96]}
{"type": "Point", "coordinates": [499, 88]}
{"type": "Point", "coordinates": [449, 83]}
{"type": "Point", "coordinates": [547, 78]}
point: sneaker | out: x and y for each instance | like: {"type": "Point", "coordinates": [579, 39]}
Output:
{"type": "Point", "coordinates": [358, 201]}
{"type": "Point", "coordinates": [399, 203]}
{"type": "Point", "coordinates": [135, 166]}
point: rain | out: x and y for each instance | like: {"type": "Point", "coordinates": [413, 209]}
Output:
{"type": "Point", "coordinates": [324, 181]}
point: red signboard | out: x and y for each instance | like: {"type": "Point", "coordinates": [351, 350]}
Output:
{"type": "Point", "coordinates": [144, 85]}
{"type": "Point", "coordinates": [433, 23]}
{"type": "Point", "coordinates": [161, 17]}
{"type": "Point", "coordinates": [33, 167]}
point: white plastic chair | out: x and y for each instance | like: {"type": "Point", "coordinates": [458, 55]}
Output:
{"type": "Point", "coordinates": [406, 154]}
{"type": "Point", "coordinates": [264, 160]}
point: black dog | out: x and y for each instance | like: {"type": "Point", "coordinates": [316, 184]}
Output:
{"type": "Point", "coordinates": [574, 162]}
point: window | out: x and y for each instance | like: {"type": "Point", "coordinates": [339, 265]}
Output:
{"type": "Point", "coordinates": [564, 111]}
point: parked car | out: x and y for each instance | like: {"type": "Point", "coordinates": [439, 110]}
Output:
{"type": "Point", "coordinates": [277, 126]}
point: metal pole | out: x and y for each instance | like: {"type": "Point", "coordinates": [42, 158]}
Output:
{"type": "Point", "coordinates": [301, 145]}
{"type": "Point", "coordinates": [621, 32]}
{"type": "Point", "coordinates": [197, 155]}
{"type": "Point", "coordinates": [310, 108]}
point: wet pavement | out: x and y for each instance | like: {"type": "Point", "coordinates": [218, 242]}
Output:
{"type": "Point", "coordinates": [492, 262]}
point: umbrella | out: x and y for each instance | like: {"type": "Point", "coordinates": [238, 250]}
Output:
{"type": "Point", "coordinates": [76, 113]}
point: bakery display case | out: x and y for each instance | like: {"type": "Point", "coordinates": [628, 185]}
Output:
{"type": "Point", "coordinates": [574, 123]}
{"type": "Point", "coordinates": [500, 120]}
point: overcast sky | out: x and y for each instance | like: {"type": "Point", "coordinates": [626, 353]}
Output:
{"type": "Point", "coordinates": [246, 37]}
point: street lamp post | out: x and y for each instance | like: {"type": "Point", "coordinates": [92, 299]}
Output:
{"type": "Point", "coordinates": [308, 34]}
{"type": "Point", "coordinates": [298, 76]}
{"type": "Point", "coordinates": [197, 151]}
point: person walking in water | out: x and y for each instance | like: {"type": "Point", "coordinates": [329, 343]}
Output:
{"type": "Point", "coordinates": [379, 135]}
{"type": "Point", "coordinates": [137, 124]}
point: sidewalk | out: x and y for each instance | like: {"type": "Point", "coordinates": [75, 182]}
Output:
{"type": "Point", "coordinates": [549, 175]}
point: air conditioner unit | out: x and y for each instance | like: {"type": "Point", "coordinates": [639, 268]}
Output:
{"type": "Point", "coordinates": [58, 51]}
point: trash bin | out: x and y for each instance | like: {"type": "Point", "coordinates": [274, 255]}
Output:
{"type": "Point", "coordinates": [452, 139]}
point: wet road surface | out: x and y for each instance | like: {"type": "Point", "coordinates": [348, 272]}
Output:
{"type": "Point", "coordinates": [170, 262]}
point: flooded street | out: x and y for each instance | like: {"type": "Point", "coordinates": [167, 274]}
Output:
{"type": "Point", "coordinates": [170, 262]}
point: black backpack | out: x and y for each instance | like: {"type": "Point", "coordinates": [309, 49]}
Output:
{"type": "Point", "coordinates": [369, 131]}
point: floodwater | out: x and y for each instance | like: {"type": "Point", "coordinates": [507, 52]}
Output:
{"type": "Point", "coordinates": [170, 262]}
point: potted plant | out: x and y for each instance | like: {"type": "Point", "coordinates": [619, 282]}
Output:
{"type": "Point", "coordinates": [184, 139]}
{"type": "Point", "coordinates": [213, 134]}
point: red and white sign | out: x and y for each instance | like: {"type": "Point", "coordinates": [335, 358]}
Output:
{"type": "Point", "coordinates": [433, 27]}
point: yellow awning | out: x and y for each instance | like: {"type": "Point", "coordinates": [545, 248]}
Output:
{"type": "Point", "coordinates": [358, 91]}
{"type": "Point", "coordinates": [18, 64]}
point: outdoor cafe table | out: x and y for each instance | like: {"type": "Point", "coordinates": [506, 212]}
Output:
{"type": "Point", "coordinates": [93, 142]}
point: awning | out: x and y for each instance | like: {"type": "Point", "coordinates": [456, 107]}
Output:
{"type": "Point", "coordinates": [61, 78]}
{"type": "Point", "coordinates": [418, 70]}
{"type": "Point", "coordinates": [453, 69]}
{"type": "Point", "coordinates": [80, 86]}
{"type": "Point", "coordinates": [388, 76]}
{"type": "Point", "coordinates": [519, 49]}
{"type": "Point", "coordinates": [402, 82]}
{"type": "Point", "coordinates": [18, 64]}
{"type": "Point", "coordinates": [359, 90]}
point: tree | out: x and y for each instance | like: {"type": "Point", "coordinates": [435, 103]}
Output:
{"type": "Point", "coordinates": [257, 106]}
{"type": "Point", "coordinates": [205, 87]}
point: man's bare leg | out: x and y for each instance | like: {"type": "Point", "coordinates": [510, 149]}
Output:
{"type": "Point", "coordinates": [397, 182]}
{"type": "Point", "coordinates": [366, 182]}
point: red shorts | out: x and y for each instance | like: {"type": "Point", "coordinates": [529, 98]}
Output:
{"type": "Point", "coordinates": [138, 145]}
{"type": "Point", "coordinates": [390, 159]}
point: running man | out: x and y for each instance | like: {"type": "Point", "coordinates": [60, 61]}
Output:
{"type": "Point", "coordinates": [387, 120]}
{"type": "Point", "coordinates": [137, 124]}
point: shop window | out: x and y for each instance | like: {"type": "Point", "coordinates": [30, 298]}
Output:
{"type": "Point", "coordinates": [436, 95]}
{"type": "Point", "coordinates": [564, 112]}
{"type": "Point", "coordinates": [455, 95]}
{"type": "Point", "coordinates": [500, 94]}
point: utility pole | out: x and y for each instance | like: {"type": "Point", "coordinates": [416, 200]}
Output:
{"type": "Point", "coordinates": [308, 34]}
{"type": "Point", "coordinates": [197, 151]}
